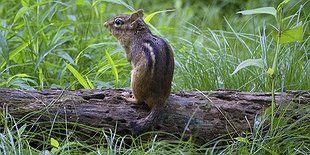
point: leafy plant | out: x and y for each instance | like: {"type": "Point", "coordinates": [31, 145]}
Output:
{"type": "Point", "coordinates": [41, 40]}
{"type": "Point", "coordinates": [281, 36]}
{"type": "Point", "coordinates": [79, 77]}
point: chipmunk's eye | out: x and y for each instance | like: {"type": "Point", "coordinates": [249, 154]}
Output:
{"type": "Point", "coordinates": [118, 22]}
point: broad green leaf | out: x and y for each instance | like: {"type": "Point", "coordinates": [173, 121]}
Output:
{"type": "Point", "coordinates": [150, 16]}
{"type": "Point", "coordinates": [78, 76]}
{"type": "Point", "coordinates": [66, 56]}
{"type": "Point", "coordinates": [114, 70]}
{"type": "Point", "coordinates": [93, 46]}
{"type": "Point", "coordinates": [47, 13]}
{"type": "Point", "coordinates": [59, 35]}
{"type": "Point", "coordinates": [289, 36]}
{"type": "Point", "coordinates": [18, 49]}
{"type": "Point", "coordinates": [25, 2]}
{"type": "Point", "coordinates": [24, 9]}
{"type": "Point", "coordinates": [264, 10]}
{"type": "Point", "coordinates": [17, 75]}
{"type": "Point", "coordinates": [54, 143]}
{"type": "Point", "coordinates": [49, 50]}
{"type": "Point", "coordinates": [249, 62]}
{"type": "Point", "coordinates": [15, 52]}
{"type": "Point", "coordinates": [20, 13]}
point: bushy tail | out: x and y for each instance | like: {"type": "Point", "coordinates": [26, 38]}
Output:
{"type": "Point", "coordinates": [155, 117]}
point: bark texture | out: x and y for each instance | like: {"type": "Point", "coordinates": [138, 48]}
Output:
{"type": "Point", "coordinates": [200, 115]}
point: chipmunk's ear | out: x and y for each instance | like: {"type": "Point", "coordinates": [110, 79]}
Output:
{"type": "Point", "coordinates": [136, 15]}
{"type": "Point", "coordinates": [140, 13]}
{"type": "Point", "coordinates": [136, 24]}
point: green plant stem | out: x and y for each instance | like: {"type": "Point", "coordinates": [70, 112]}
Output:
{"type": "Point", "coordinates": [273, 78]}
{"type": "Point", "coordinates": [272, 104]}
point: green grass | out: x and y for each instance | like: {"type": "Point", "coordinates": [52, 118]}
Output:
{"type": "Point", "coordinates": [39, 38]}
{"type": "Point", "coordinates": [291, 135]}
{"type": "Point", "coordinates": [54, 44]}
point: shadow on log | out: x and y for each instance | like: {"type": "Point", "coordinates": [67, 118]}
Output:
{"type": "Point", "coordinates": [200, 115]}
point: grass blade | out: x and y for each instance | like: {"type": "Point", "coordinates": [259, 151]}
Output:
{"type": "Point", "coordinates": [150, 16]}
{"type": "Point", "coordinates": [15, 52]}
{"type": "Point", "coordinates": [78, 76]}
{"type": "Point", "coordinates": [49, 50]}
{"type": "Point", "coordinates": [90, 83]}
{"type": "Point", "coordinates": [114, 70]}
{"type": "Point", "coordinates": [4, 47]}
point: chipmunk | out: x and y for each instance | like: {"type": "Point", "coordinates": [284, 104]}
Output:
{"type": "Point", "coordinates": [152, 63]}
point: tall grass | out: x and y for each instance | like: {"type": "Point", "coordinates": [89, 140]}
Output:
{"type": "Point", "coordinates": [55, 44]}
{"type": "Point", "coordinates": [39, 37]}
{"type": "Point", "coordinates": [291, 135]}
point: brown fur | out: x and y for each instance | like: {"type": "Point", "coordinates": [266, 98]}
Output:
{"type": "Point", "coordinates": [152, 65]}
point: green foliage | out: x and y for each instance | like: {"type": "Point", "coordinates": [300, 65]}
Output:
{"type": "Point", "coordinates": [289, 36]}
{"type": "Point", "coordinates": [113, 67]}
{"type": "Point", "coordinates": [263, 10]}
{"type": "Point", "coordinates": [282, 36]}
{"type": "Point", "coordinates": [291, 135]}
{"type": "Point", "coordinates": [249, 62]}
{"type": "Point", "coordinates": [78, 76]}
{"type": "Point", "coordinates": [36, 38]}
{"type": "Point", "coordinates": [63, 44]}
{"type": "Point", "coordinates": [148, 18]}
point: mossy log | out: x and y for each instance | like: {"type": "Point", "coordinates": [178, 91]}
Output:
{"type": "Point", "coordinates": [200, 115]}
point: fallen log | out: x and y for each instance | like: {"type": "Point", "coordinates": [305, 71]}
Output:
{"type": "Point", "coordinates": [199, 115]}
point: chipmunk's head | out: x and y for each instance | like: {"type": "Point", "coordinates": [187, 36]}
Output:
{"type": "Point", "coordinates": [126, 25]}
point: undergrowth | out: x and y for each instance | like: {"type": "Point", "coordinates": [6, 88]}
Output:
{"type": "Point", "coordinates": [55, 44]}
{"type": "Point", "coordinates": [291, 135]}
